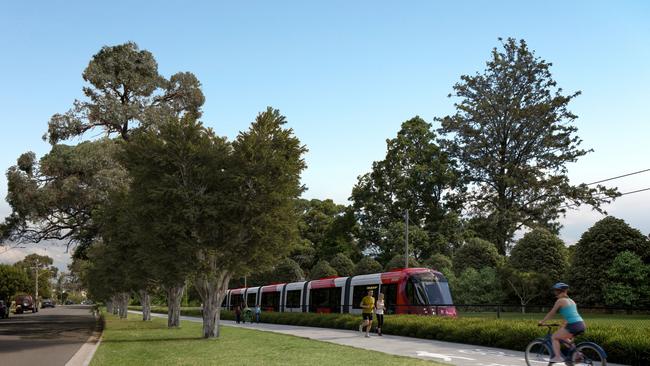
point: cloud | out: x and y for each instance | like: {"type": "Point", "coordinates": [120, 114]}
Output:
{"type": "Point", "coordinates": [56, 251]}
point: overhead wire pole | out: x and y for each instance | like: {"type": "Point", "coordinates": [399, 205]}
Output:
{"type": "Point", "coordinates": [406, 241]}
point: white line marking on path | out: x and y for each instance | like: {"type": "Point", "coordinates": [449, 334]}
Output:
{"type": "Point", "coordinates": [443, 357]}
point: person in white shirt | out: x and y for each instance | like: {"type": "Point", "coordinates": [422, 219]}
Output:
{"type": "Point", "coordinates": [379, 311]}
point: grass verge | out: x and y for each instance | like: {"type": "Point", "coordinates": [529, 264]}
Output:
{"type": "Point", "coordinates": [134, 342]}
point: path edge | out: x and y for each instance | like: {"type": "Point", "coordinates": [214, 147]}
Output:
{"type": "Point", "coordinates": [85, 354]}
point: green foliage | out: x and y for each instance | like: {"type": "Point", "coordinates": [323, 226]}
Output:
{"type": "Point", "coordinates": [595, 253]}
{"type": "Point", "coordinates": [476, 253]}
{"type": "Point", "coordinates": [540, 251]}
{"type": "Point", "coordinates": [287, 270]}
{"type": "Point", "coordinates": [322, 269]}
{"type": "Point", "coordinates": [46, 272]}
{"type": "Point", "coordinates": [628, 281]}
{"type": "Point", "coordinates": [526, 286]}
{"type": "Point", "coordinates": [125, 89]}
{"type": "Point", "coordinates": [326, 229]}
{"type": "Point", "coordinates": [54, 198]}
{"type": "Point", "coordinates": [420, 244]}
{"type": "Point", "coordinates": [13, 280]}
{"type": "Point", "coordinates": [367, 265]}
{"type": "Point", "coordinates": [398, 261]}
{"type": "Point", "coordinates": [513, 137]}
{"type": "Point", "coordinates": [439, 262]}
{"type": "Point", "coordinates": [477, 287]}
{"type": "Point", "coordinates": [342, 265]}
{"type": "Point", "coordinates": [415, 175]}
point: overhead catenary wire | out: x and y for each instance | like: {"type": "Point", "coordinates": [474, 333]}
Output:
{"type": "Point", "coordinates": [619, 176]}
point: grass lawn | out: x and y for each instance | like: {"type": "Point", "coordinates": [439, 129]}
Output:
{"type": "Point", "coordinates": [134, 342]}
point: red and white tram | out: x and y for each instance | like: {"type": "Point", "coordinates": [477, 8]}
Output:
{"type": "Point", "coordinates": [406, 291]}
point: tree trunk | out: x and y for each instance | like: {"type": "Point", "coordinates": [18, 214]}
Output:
{"type": "Point", "coordinates": [116, 304]}
{"type": "Point", "coordinates": [145, 301]}
{"type": "Point", "coordinates": [211, 286]}
{"type": "Point", "coordinates": [174, 297]}
{"type": "Point", "coordinates": [124, 304]}
{"type": "Point", "coordinates": [109, 306]}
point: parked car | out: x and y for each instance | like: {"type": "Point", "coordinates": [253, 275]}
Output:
{"type": "Point", "coordinates": [47, 303]}
{"type": "Point", "coordinates": [4, 309]}
{"type": "Point", "coordinates": [87, 302]}
{"type": "Point", "coordinates": [25, 303]}
{"type": "Point", "coordinates": [69, 302]}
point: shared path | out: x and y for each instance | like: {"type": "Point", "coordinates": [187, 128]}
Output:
{"type": "Point", "coordinates": [445, 352]}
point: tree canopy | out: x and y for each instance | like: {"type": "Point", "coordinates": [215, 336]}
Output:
{"type": "Point", "coordinates": [124, 88]}
{"type": "Point", "coordinates": [513, 136]}
{"type": "Point", "coordinates": [415, 175]}
{"type": "Point", "coordinates": [476, 253]}
{"type": "Point", "coordinates": [540, 251]}
{"type": "Point", "coordinates": [595, 253]}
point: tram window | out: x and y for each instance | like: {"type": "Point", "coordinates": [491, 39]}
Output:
{"type": "Point", "coordinates": [223, 303]}
{"type": "Point", "coordinates": [293, 299]}
{"type": "Point", "coordinates": [236, 299]}
{"type": "Point", "coordinates": [390, 297]}
{"type": "Point", "coordinates": [250, 300]}
{"type": "Point", "coordinates": [415, 294]}
{"type": "Point", "coordinates": [271, 300]}
{"type": "Point", "coordinates": [329, 298]}
{"type": "Point", "coordinates": [359, 292]}
{"type": "Point", "coordinates": [410, 293]}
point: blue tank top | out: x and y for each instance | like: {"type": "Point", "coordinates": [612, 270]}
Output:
{"type": "Point", "coordinates": [570, 313]}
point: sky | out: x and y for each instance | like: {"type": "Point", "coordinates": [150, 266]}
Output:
{"type": "Point", "coordinates": [346, 74]}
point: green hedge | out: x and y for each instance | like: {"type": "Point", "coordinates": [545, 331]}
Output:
{"type": "Point", "coordinates": [623, 345]}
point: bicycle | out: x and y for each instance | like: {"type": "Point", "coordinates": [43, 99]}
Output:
{"type": "Point", "coordinates": [540, 351]}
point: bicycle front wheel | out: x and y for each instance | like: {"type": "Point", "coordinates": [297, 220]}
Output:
{"type": "Point", "coordinates": [538, 353]}
{"type": "Point", "coordinates": [588, 355]}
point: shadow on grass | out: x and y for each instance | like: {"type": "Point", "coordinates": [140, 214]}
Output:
{"type": "Point", "coordinates": [136, 340]}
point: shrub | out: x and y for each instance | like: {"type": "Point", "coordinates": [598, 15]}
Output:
{"type": "Point", "coordinates": [367, 265]}
{"type": "Point", "coordinates": [540, 251]}
{"type": "Point", "coordinates": [595, 252]}
{"type": "Point", "coordinates": [398, 262]}
{"type": "Point", "coordinates": [322, 269]}
{"type": "Point", "coordinates": [476, 253]}
{"type": "Point", "coordinates": [343, 265]}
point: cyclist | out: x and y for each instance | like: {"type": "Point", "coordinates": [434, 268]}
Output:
{"type": "Point", "coordinates": [573, 323]}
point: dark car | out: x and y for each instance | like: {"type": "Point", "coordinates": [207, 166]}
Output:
{"type": "Point", "coordinates": [4, 309]}
{"type": "Point", "coordinates": [25, 303]}
{"type": "Point", "coordinates": [47, 303]}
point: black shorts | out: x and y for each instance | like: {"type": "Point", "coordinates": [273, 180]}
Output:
{"type": "Point", "coordinates": [367, 316]}
{"type": "Point", "coordinates": [576, 328]}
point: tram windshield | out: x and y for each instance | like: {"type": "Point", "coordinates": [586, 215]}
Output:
{"type": "Point", "coordinates": [431, 289]}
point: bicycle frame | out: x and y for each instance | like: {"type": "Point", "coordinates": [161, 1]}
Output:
{"type": "Point", "coordinates": [570, 346]}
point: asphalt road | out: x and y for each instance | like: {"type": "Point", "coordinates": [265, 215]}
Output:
{"type": "Point", "coordinates": [50, 337]}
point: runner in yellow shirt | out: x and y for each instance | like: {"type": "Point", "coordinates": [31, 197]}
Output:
{"type": "Point", "coordinates": [367, 306]}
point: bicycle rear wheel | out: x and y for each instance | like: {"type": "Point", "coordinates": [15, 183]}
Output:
{"type": "Point", "coordinates": [588, 355]}
{"type": "Point", "coordinates": [537, 353]}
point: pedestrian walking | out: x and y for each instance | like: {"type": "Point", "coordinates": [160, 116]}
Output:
{"type": "Point", "coordinates": [367, 307]}
{"type": "Point", "coordinates": [258, 313]}
{"type": "Point", "coordinates": [379, 311]}
{"type": "Point", "coordinates": [238, 313]}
